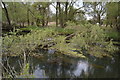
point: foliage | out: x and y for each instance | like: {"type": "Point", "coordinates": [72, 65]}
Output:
{"type": "Point", "coordinates": [25, 72]}
{"type": "Point", "coordinates": [86, 37]}
{"type": "Point", "coordinates": [64, 31]}
{"type": "Point", "coordinates": [110, 47]}
{"type": "Point", "coordinates": [65, 48]}
{"type": "Point", "coordinates": [70, 23]}
{"type": "Point", "coordinates": [112, 14]}
{"type": "Point", "coordinates": [90, 37]}
{"type": "Point", "coordinates": [96, 10]}
{"type": "Point", "coordinates": [113, 34]}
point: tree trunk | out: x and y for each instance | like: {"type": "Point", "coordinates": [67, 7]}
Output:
{"type": "Point", "coordinates": [99, 19]}
{"type": "Point", "coordinates": [28, 17]}
{"type": "Point", "coordinates": [60, 15]}
{"type": "Point", "coordinates": [57, 14]}
{"type": "Point", "coordinates": [119, 17]}
{"type": "Point", "coordinates": [66, 11]}
{"type": "Point", "coordinates": [6, 12]}
{"type": "Point", "coordinates": [47, 19]}
{"type": "Point", "coordinates": [23, 24]}
{"type": "Point", "coordinates": [43, 17]}
{"type": "Point", "coordinates": [25, 59]}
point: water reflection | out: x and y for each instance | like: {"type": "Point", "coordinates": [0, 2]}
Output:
{"type": "Point", "coordinates": [82, 68]}
{"type": "Point", "coordinates": [54, 66]}
{"type": "Point", "coordinates": [39, 73]}
{"type": "Point", "coordinates": [108, 68]}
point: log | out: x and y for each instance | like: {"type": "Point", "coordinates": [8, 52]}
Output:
{"type": "Point", "coordinates": [70, 36]}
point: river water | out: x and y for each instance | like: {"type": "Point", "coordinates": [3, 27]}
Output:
{"type": "Point", "coordinates": [53, 65]}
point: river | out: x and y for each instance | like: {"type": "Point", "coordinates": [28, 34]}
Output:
{"type": "Point", "coordinates": [53, 65]}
